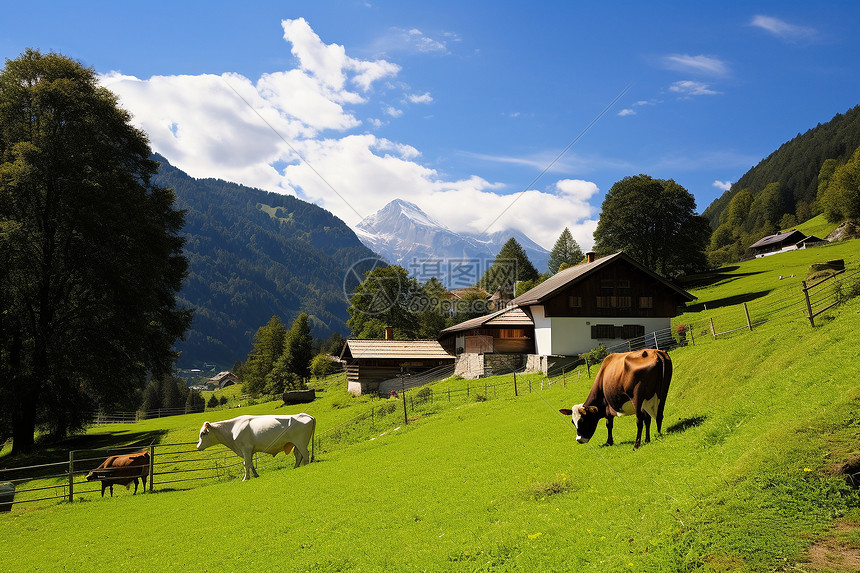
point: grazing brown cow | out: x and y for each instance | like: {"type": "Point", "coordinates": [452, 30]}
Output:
{"type": "Point", "coordinates": [122, 470]}
{"type": "Point", "coordinates": [628, 383]}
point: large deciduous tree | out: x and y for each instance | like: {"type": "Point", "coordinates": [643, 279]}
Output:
{"type": "Point", "coordinates": [653, 221]}
{"type": "Point", "coordinates": [839, 193]}
{"type": "Point", "coordinates": [90, 256]}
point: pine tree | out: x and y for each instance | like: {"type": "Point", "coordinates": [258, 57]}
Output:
{"type": "Point", "coordinates": [268, 348]}
{"type": "Point", "coordinates": [511, 265]}
{"type": "Point", "coordinates": [566, 250]}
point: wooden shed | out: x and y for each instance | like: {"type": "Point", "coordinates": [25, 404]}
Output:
{"type": "Point", "coordinates": [507, 331]}
{"type": "Point", "coordinates": [370, 362]}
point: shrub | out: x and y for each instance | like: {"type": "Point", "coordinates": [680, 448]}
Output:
{"type": "Point", "coordinates": [596, 355]}
{"type": "Point", "coordinates": [212, 402]}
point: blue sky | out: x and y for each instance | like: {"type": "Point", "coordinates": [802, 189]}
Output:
{"type": "Point", "coordinates": [488, 115]}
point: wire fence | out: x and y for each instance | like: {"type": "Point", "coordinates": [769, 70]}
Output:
{"type": "Point", "coordinates": [128, 417]}
{"type": "Point", "coordinates": [180, 465]}
{"type": "Point", "coordinates": [172, 466]}
{"type": "Point", "coordinates": [805, 302]}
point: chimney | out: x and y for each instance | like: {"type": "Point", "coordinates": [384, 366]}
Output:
{"type": "Point", "coordinates": [589, 257]}
{"type": "Point", "coordinates": [389, 333]}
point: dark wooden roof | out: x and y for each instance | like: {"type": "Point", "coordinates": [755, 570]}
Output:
{"type": "Point", "coordinates": [789, 238]}
{"type": "Point", "coordinates": [572, 275]}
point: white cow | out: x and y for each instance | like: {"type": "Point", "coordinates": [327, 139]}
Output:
{"type": "Point", "coordinates": [271, 434]}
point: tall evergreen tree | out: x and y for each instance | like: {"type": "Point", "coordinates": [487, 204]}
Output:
{"type": "Point", "coordinates": [565, 250]}
{"type": "Point", "coordinates": [300, 347]}
{"type": "Point", "coordinates": [90, 249]}
{"type": "Point", "coordinates": [511, 265]}
{"type": "Point", "coordinates": [267, 348]}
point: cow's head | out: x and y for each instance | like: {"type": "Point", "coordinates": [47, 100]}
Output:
{"type": "Point", "coordinates": [585, 420]}
{"type": "Point", "coordinates": [207, 437]}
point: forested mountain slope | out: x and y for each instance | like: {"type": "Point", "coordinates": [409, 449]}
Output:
{"type": "Point", "coordinates": [795, 167]}
{"type": "Point", "coordinates": [253, 254]}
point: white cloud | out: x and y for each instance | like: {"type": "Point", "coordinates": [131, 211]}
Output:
{"type": "Point", "coordinates": [413, 41]}
{"type": "Point", "coordinates": [706, 65]}
{"type": "Point", "coordinates": [723, 185]}
{"type": "Point", "coordinates": [689, 88]}
{"type": "Point", "coordinates": [420, 98]}
{"type": "Point", "coordinates": [626, 111]}
{"type": "Point", "coordinates": [297, 131]}
{"type": "Point", "coordinates": [782, 29]}
{"type": "Point", "coordinates": [577, 189]}
{"type": "Point", "coordinates": [329, 62]}
{"type": "Point", "coordinates": [392, 111]}
{"type": "Point", "coordinates": [471, 206]}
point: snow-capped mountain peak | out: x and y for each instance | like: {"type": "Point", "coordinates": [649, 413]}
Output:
{"type": "Point", "coordinates": [403, 234]}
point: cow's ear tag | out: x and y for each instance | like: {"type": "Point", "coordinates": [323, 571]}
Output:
{"type": "Point", "coordinates": [566, 412]}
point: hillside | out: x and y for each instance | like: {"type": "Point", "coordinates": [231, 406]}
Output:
{"type": "Point", "coordinates": [254, 254]}
{"type": "Point", "coordinates": [795, 167]}
{"type": "Point", "coordinates": [762, 428]}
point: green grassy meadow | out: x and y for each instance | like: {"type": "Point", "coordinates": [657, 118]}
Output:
{"type": "Point", "coordinates": [747, 475]}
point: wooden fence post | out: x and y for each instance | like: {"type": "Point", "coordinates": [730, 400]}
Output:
{"type": "Point", "coordinates": [808, 304]}
{"type": "Point", "coordinates": [151, 466]}
{"type": "Point", "coordinates": [747, 312]}
{"type": "Point", "coordinates": [403, 393]}
{"type": "Point", "coordinates": [72, 476]}
{"type": "Point", "coordinates": [515, 384]}
{"type": "Point", "coordinates": [713, 332]}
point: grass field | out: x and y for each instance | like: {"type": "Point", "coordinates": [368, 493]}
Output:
{"type": "Point", "coordinates": [747, 476]}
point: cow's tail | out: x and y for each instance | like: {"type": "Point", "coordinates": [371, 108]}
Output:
{"type": "Point", "coordinates": [664, 388]}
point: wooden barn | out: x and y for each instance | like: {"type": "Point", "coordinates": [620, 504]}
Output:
{"type": "Point", "coordinates": [370, 362]}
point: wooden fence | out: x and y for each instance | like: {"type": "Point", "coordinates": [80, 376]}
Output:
{"type": "Point", "coordinates": [170, 464]}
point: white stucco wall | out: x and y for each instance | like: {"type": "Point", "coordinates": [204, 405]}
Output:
{"type": "Point", "coordinates": [570, 336]}
{"type": "Point", "coordinates": [543, 331]}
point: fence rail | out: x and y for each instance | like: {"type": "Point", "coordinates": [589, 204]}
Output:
{"type": "Point", "coordinates": [100, 418]}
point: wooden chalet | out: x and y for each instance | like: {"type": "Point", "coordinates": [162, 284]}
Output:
{"type": "Point", "coordinates": [777, 243]}
{"type": "Point", "coordinates": [601, 301]}
{"type": "Point", "coordinates": [223, 379]}
{"type": "Point", "coordinates": [370, 362]}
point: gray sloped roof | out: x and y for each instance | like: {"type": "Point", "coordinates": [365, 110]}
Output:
{"type": "Point", "coordinates": [403, 349]}
{"type": "Point", "coordinates": [507, 317]}
{"type": "Point", "coordinates": [571, 275]}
